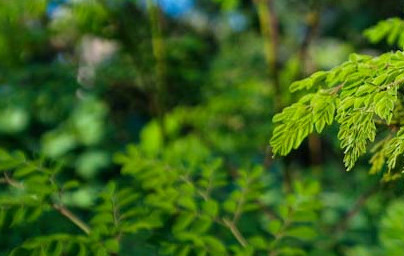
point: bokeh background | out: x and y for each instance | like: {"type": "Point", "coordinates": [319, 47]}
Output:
{"type": "Point", "coordinates": [81, 79]}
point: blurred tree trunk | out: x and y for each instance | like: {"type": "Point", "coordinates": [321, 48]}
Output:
{"type": "Point", "coordinates": [160, 66]}
{"type": "Point", "coordinates": [269, 30]}
{"type": "Point", "coordinates": [308, 67]}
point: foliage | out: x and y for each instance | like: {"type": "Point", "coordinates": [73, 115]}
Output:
{"type": "Point", "coordinates": [387, 29]}
{"type": "Point", "coordinates": [362, 95]}
{"type": "Point", "coordinates": [180, 197]}
{"type": "Point", "coordinates": [183, 90]}
{"type": "Point", "coordinates": [390, 233]}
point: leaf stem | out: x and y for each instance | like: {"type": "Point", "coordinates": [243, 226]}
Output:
{"type": "Point", "coordinates": [236, 233]}
{"type": "Point", "coordinates": [72, 217]}
{"type": "Point", "coordinates": [58, 207]}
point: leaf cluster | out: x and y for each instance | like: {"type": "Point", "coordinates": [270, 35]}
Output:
{"type": "Point", "coordinates": [362, 95]}
{"type": "Point", "coordinates": [183, 201]}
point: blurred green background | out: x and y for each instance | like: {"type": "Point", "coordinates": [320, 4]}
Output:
{"type": "Point", "coordinates": [81, 79]}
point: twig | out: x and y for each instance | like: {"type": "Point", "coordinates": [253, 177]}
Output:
{"type": "Point", "coordinates": [12, 182]}
{"type": "Point", "coordinates": [280, 234]}
{"type": "Point", "coordinates": [236, 233]}
{"type": "Point", "coordinates": [335, 89]}
{"type": "Point", "coordinates": [72, 217]}
{"type": "Point", "coordinates": [267, 211]}
{"type": "Point", "coordinates": [186, 180]}
{"type": "Point", "coordinates": [60, 208]}
{"type": "Point", "coordinates": [240, 204]}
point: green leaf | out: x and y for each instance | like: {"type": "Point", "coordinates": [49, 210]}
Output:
{"type": "Point", "coordinates": [2, 216]}
{"type": "Point", "coordinates": [18, 217]}
{"type": "Point", "coordinates": [214, 245]}
{"type": "Point", "coordinates": [210, 207]}
{"type": "Point", "coordinates": [58, 250]}
{"type": "Point", "coordinates": [10, 164]}
{"type": "Point", "coordinates": [380, 79]}
{"type": "Point", "coordinates": [83, 251]}
{"type": "Point", "coordinates": [24, 171]}
{"type": "Point", "coordinates": [184, 251]}
{"type": "Point", "coordinates": [201, 225]}
{"type": "Point", "coordinates": [392, 228]}
{"type": "Point", "coordinates": [71, 184]}
{"type": "Point", "coordinates": [183, 221]}
{"type": "Point", "coordinates": [274, 226]}
{"type": "Point", "coordinates": [112, 245]}
{"type": "Point", "coordinates": [258, 242]}
{"type": "Point", "coordinates": [187, 202]}
{"type": "Point", "coordinates": [384, 104]}
{"type": "Point", "coordinates": [302, 233]}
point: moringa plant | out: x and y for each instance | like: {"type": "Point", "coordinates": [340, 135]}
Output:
{"type": "Point", "coordinates": [181, 200]}
{"type": "Point", "coordinates": [176, 201]}
{"type": "Point", "coordinates": [363, 95]}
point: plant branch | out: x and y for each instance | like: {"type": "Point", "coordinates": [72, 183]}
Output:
{"type": "Point", "coordinates": [58, 207]}
{"type": "Point", "coordinates": [267, 211]}
{"type": "Point", "coordinates": [72, 217]}
{"type": "Point", "coordinates": [240, 204]}
{"type": "Point", "coordinates": [12, 182]}
{"type": "Point", "coordinates": [280, 234]}
{"type": "Point", "coordinates": [236, 233]}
